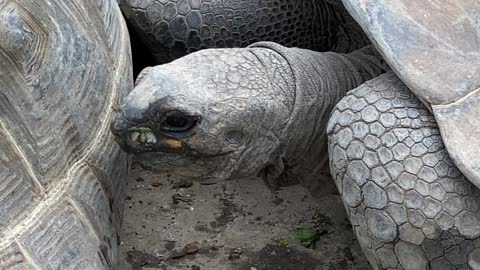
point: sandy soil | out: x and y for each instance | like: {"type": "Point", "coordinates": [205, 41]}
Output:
{"type": "Point", "coordinates": [179, 224]}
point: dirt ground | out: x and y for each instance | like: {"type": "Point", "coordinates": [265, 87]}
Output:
{"type": "Point", "coordinates": [178, 224]}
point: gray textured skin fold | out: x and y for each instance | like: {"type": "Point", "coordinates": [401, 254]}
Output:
{"type": "Point", "coordinates": [64, 65]}
{"type": "Point", "coordinates": [276, 99]}
{"type": "Point", "coordinates": [320, 81]}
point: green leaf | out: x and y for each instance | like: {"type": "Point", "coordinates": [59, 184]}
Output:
{"type": "Point", "coordinates": [307, 236]}
{"type": "Point", "coordinates": [283, 242]}
{"type": "Point", "coordinates": [140, 129]}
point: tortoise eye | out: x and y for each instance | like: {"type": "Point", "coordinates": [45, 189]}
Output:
{"type": "Point", "coordinates": [177, 121]}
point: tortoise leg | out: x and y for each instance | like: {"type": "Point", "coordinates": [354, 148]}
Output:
{"type": "Point", "coordinates": [409, 206]}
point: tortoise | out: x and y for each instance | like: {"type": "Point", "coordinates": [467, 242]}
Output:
{"type": "Point", "coordinates": [171, 29]}
{"type": "Point", "coordinates": [64, 65]}
{"type": "Point", "coordinates": [267, 110]}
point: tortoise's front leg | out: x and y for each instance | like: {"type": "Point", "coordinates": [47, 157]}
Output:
{"type": "Point", "coordinates": [409, 206]}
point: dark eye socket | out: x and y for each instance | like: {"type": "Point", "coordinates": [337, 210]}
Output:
{"type": "Point", "coordinates": [178, 122]}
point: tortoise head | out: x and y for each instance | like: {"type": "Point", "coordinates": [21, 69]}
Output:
{"type": "Point", "coordinates": [216, 113]}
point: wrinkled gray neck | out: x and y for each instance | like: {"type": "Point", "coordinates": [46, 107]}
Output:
{"type": "Point", "coordinates": [320, 81]}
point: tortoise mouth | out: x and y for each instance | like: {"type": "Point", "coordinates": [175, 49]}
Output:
{"type": "Point", "coordinates": [143, 139]}
{"type": "Point", "coordinates": [140, 140]}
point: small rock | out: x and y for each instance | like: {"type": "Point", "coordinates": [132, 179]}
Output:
{"type": "Point", "coordinates": [177, 198]}
{"type": "Point", "coordinates": [182, 184]}
{"type": "Point", "coordinates": [177, 254]}
{"type": "Point", "coordinates": [204, 250]}
{"type": "Point", "coordinates": [277, 200]}
{"type": "Point", "coordinates": [234, 254]}
{"type": "Point", "coordinates": [139, 179]}
{"type": "Point", "coordinates": [191, 248]}
{"type": "Point", "coordinates": [156, 184]}
{"type": "Point", "coordinates": [233, 257]}
{"type": "Point", "coordinates": [139, 259]}
{"type": "Point", "coordinates": [207, 182]}
{"type": "Point", "coordinates": [169, 244]}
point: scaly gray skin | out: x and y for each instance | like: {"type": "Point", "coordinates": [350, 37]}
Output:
{"type": "Point", "coordinates": [260, 110]}
{"type": "Point", "coordinates": [172, 29]}
{"type": "Point", "coordinates": [409, 205]}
